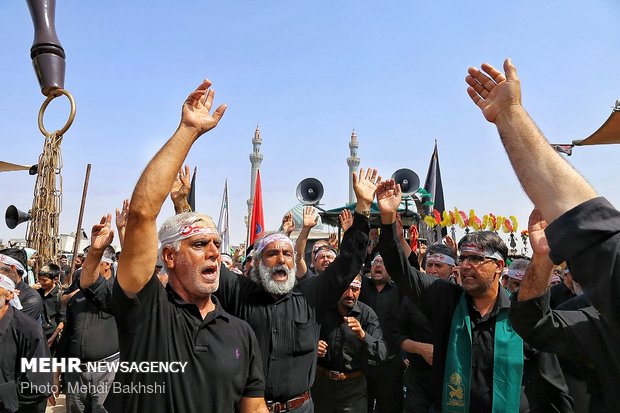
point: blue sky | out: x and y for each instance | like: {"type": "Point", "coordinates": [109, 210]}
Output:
{"type": "Point", "coordinates": [307, 73]}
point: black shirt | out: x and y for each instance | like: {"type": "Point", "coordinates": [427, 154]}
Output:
{"type": "Point", "coordinates": [53, 313]}
{"type": "Point", "coordinates": [21, 336]}
{"type": "Point", "coordinates": [345, 352]}
{"type": "Point", "coordinates": [438, 300]}
{"type": "Point", "coordinates": [386, 304]}
{"type": "Point", "coordinates": [90, 329]}
{"type": "Point", "coordinates": [560, 293]}
{"type": "Point", "coordinates": [414, 325]}
{"type": "Point", "coordinates": [287, 328]}
{"type": "Point", "coordinates": [223, 361]}
{"type": "Point", "coordinates": [31, 301]}
{"type": "Point", "coordinates": [582, 335]}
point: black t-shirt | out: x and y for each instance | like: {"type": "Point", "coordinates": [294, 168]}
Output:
{"type": "Point", "coordinates": [221, 352]}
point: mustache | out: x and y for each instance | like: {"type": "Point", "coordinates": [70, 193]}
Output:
{"type": "Point", "coordinates": [282, 267]}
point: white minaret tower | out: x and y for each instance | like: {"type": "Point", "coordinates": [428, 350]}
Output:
{"type": "Point", "coordinates": [354, 162]}
{"type": "Point", "coordinates": [255, 159]}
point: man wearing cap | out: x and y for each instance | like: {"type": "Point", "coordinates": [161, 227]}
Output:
{"type": "Point", "coordinates": [20, 337]}
{"type": "Point", "coordinates": [385, 384]}
{"type": "Point", "coordinates": [350, 337]}
{"type": "Point", "coordinates": [285, 316]}
{"type": "Point", "coordinates": [183, 322]}
{"type": "Point", "coordinates": [14, 259]}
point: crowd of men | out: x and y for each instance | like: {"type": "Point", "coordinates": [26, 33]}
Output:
{"type": "Point", "coordinates": [372, 322]}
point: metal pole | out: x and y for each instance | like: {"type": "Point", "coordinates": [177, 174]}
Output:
{"type": "Point", "coordinates": [78, 231]}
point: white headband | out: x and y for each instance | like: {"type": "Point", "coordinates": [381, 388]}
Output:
{"type": "Point", "coordinates": [12, 261]}
{"type": "Point", "coordinates": [187, 231]}
{"type": "Point", "coordinates": [473, 249]}
{"type": "Point", "coordinates": [356, 283]}
{"type": "Point", "coordinates": [275, 237]}
{"type": "Point", "coordinates": [8, 284]}
{"type": "Point", "coordinates": [441, 258]}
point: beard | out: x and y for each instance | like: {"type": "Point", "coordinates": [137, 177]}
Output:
{"type": "Point", "coordinates": [263, 276]}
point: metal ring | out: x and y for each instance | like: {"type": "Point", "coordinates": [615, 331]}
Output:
{"type": "Point", "coordinates": [55, 93]}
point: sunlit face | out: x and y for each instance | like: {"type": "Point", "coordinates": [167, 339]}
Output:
{"type": "Point", "coordinates": [322, 260]}
{"type": "Point", "coordinates": [276, 254]}
{"type": "Point", "coordinates": [63, 261]}
{"type": "Point", "coordinates": [194, 270]}
{"type": "Point", "coordinates": [378, 273]}
{"type": "Point", "coordinates": [438, 269]}
{"type": "Point", "coordinates": [479, 274]}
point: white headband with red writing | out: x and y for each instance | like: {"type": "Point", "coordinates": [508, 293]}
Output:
{"type": "Point", "coordinates": [473, 249]}
{"type": "Point", "coordinates": [187, 231]}
{"type": "Point", "coordinates": [441, 258]}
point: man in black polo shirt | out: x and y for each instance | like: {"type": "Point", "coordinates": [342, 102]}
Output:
{"type": "Point", "coordinates": [183, 323]}
{"type": "Point", "coordinates": [286, 317]}
{"type": "Point", "coordinates": [384, 380]}
{"type": "Point", "coordinates": [350, 338]}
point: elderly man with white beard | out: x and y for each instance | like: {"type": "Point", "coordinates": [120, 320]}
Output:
{"type": "Point", "coordinates": [286, 317]}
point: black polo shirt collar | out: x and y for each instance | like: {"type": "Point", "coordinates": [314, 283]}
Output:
{"type": "Point", "coordinates": [193, 309]}
{"type": "Point", "coordinates": [501, 302]}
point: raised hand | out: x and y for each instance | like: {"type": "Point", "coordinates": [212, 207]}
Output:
{"type": "Point", "coordinates": [492, 91]}
{"type": "Point", "coordinates": [288, 225]}
{"type": "Point", "coordinates": [102, 233]}
{"type": "Point", "coordinates": [181, 186]}
{"type": "Point", "coordinates": [447, 240]}
{"type": "Point", "coordinates": [333, 241]}
{"type": "Point", "coordinates": [536, 227]}
{"type": "Point", "coordinates": [355, 325]}
{"type": "Point", "coordinates": [195, 114]}
{"type": "Point", "coordinates": [346, 219]}
{"type": "Point", "coordinates": [389, 197]}
{"type": "Point", "coordinates": [310, 218]}
{"type": "Point", "coordinates": [365, 185]}
{"type": "Point", "coordinates": [121, 216]}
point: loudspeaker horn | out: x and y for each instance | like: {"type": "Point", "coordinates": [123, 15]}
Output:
{"type": "Point", "coordinates": [408, 180]}
{"type": "Point", "coordinates": [13, 216]}
{"type": "Point", "coordinates": [309, 191]}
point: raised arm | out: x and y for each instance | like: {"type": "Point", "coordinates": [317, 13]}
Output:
{"type": "Point", "coordinates": [102, 235]}
{"type": "Point", "coordinates": [310, 219]}
{"type": "Point", "coordinates": [139, 256]}
{"type": "Point", "coordinates": [409, 280]}
{"type": "Point", "coordinates": [180, 191]}
{"type": "Point", "coordinates": [538, 275]}
{"type": "Point", "coordinates": [538, 167]}
{"type": "Point", "coordinates": [121, 221]}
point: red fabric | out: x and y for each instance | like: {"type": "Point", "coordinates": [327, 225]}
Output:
{"type": "Point", "coordinates": [257, 224]}
{"type": "Point", "coordinates": [413, 237]}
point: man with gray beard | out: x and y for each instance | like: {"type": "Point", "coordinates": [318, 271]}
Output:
{"type": "Point", "coordinates": [286, 317]}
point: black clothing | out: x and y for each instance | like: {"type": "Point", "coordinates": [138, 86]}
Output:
{"type": "Point", "coordinates": [438, 299]}
{"type": "Point", "coordinates": [90, 330]}
{"type": "Point", "coordinates": [53, 313]}
{"type": "Point", "coordinates": [414, 325]}
{"type": "Point", "coordinates": [588, 238]}
{"type": "Point", "coordinates": [309, 274]}
{"type": "Point", "coordinates": [332, 396]}
{"type": "Point", "coordinates": [386, 304]}
{"type": "Point", "coordinates": [21, 337]}
{"type": "Point", "coordinates": [287, 328]}
{"type": "Point", "coordinates": [345, 352]}
{"type": "Point", "coordinates": [221, 352]}
{"type": "Point", "coordinates": [31, 301]}
{"type": "Point", "coordinates": [583, 335]}
{"type": "Point", "coordinates": [560, 293]}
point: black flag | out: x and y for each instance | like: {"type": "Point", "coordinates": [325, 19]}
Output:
{"type": "Point", "coordinates": [191, 198]}
{"type": "Point", "coordinates": [434, 187]}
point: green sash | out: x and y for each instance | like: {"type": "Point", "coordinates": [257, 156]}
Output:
{"type": "Point", "coordinates": [507, 364]}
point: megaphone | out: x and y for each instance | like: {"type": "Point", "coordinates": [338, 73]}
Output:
{"type": "Point", "coordinates": [34, 169]}
{"type": "Point", "coordinates": [13, 217]}
{"type": "Point", "coordinates": [408, 180]}
{"type": "Point", "coordinates": [309, 191]}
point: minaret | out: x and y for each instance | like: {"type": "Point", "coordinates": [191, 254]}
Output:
{"type": "Point", "coordinates": [255, 159]}
{"type": "Point", "coordinates": [354, 162]}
